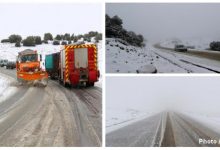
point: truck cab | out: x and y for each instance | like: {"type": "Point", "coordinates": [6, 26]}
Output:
{"type": "Point", "coordinates": [28, 65]}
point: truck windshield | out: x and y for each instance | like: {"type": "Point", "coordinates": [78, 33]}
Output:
{"type": "Point", "coordinates": [28, 58]}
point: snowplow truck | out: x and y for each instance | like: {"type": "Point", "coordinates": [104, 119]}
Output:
{"type": "Point", "coordinates": [78, 65]}
{"type": "Point", "coordinates": [30, 67]}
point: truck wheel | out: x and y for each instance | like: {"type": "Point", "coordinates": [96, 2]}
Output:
{"type": "Point", "coordinates": [44, 82]}
{"type": "Point", "coordinates": [67, 85]}
{"type": "Point", "coordinates": [89, 84]}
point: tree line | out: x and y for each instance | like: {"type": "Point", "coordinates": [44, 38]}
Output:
{"type": "Point", "coordinates": [114, 29]}
{"type": "Point", "coordinates": [57, 40]}
{"type": "Point", "coordinates": [215, 45]}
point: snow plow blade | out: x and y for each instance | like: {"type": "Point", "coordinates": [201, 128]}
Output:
{"type": "Point", "coordinates": [33, 77]}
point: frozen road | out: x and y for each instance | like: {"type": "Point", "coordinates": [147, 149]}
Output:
{"type": "Point", "coordinates": [210, 62]}
{"type": "Point", "coordinates": [51, 116]}
{"type": "Point", "coordinates": [213, 55]}
{"type": "Point", "coordinates": [166, 129]}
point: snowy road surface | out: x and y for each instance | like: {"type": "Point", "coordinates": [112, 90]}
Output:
{"type": "Point", "coordinates": [51, 116]}
{"type": "Point", "coordinates": [122, 58]}
{"type": "Point", "coordinates": [164, 129]}
{"type": "Point", "coordinates": [213, 56]}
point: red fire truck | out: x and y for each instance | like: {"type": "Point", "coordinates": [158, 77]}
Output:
{"type": "Point", "coordinates": [77, 65]}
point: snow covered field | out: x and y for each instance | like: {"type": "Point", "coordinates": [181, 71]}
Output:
{"type": "Point", "coordinates": [122, 58]}
{"type": "Point", "coordinates": [118, 118]}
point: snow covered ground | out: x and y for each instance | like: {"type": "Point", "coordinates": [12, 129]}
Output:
{"type": "Point", "coordinates": [5, 88]}
{"type": "Point", "coordinates": [210, 120]}
{"type": "Point", "coordinates": [197, 43]}
{"type": "Point", "coordinates": [9, 51]}
{"type": "Point", "coordinates": [118, 118]}
{"type": "Point", "coordinates": [122, 58]}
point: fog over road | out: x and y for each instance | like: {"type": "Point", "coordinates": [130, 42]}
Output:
{"type": "Point", "coordinates": [51, 116]}
{"type": "Point", "coordinates": [166, 129]}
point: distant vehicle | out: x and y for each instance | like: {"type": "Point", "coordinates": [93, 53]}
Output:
{"type": "Point", "coordinates": [3, 62]}
{"type": "Point", "coordinates": [180, 48]}
{"type": "Point", "coordinates": [11, 65]}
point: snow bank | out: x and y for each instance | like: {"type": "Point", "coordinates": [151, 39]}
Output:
{"type": "Point", "coordinates": [5, 89]}
{"type": "Point", "coordinates": [210, 120]}
{"type": "Point", "coordinates": [119, 118]}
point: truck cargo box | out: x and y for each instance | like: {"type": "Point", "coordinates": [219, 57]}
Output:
{"type": "Point", "coordinates": [52, 64]}
{"type": "Point", "coordinates": [79, 64]}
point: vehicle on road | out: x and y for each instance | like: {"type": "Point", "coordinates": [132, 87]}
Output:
{"type": "Point", "coordinates": [30, 67]}
{"type": "Point", "coordinates": [52, 62]}
{"type": "Point", "coordinates": [3, 62]}
{"type": "Point", "coordinates": [180, 48]}
{"type": "Point", "coordinates": [77, 65]}
{"type": "Point", "coordinates": [11, 65]}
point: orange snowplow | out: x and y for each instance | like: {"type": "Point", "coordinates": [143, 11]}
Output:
{"type": "Point", "coordinates": [29, 67]}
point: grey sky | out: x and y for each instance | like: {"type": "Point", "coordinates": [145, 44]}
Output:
{"type": "Point", "coordinates": [36, 19]}
{"type": "Point", "coordinates": [199, 94]}
{"type": "Point", "coordinates": [168, 20]}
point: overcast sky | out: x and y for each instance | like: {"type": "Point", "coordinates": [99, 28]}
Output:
{"type": "Point", "coordinates": [36, 19]}
{"type": "Point", "coordinates": [199, 94]}
{"type": "Point", "coordinates": [158, 21]}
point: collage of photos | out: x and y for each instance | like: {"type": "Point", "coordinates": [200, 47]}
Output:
{"type": "Point", "coordinates": [109, 75]}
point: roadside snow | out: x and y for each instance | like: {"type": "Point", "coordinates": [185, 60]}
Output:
{"type": "Point", "coordinates": [197, 43]}
{"type": "Point", "coordinates": [210, 120]}
{"type": "Point", "coordinates": [122, 58]}
{"type": "Point", "coordinates": [118, 118]}
{"type": "Point", "coordinates": [5, 89]}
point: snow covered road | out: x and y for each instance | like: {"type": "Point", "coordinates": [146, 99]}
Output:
{"type": "Point", "coordinates": [123, 58]}
{"type": "Point", "coordinates": [209, 60]}
{"type": "Point", "coordinates": [51, 116]}
{"type": "Point", "coordinates": [138, 134]}
{"type": "Point", "coordinates": [164, 129]}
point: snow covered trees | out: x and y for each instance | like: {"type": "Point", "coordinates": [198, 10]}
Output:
{"type": "Point", "coordinates": [115, 29]}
